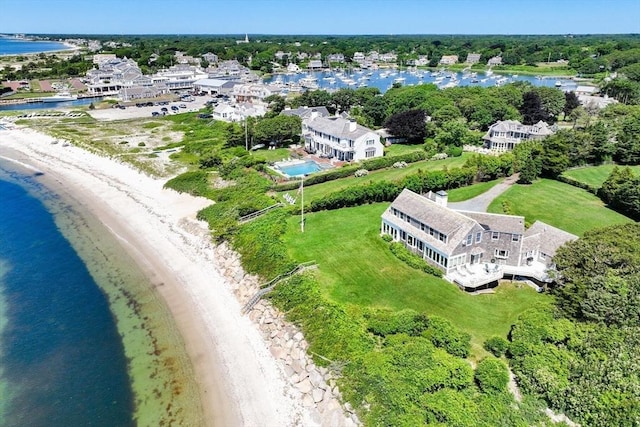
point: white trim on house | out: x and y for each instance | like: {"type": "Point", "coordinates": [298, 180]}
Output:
{"type": "Point", "coordinates": [448, 239]}
{"type": "Point", "coordinates": [339, 138]}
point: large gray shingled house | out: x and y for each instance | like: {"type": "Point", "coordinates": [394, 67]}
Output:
{"type": "Point", "coordinates": [473, 249]}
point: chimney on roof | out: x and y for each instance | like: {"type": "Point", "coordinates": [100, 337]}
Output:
{"type": "Point", "coordinates": [314, 114]}
{"type": "Point", "coordinates": [441, 198]}
{"type": "Point", "coordinates": [352, 125]}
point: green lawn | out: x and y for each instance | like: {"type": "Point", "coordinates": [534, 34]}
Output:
{"type": "Point", "coordinates": [561, 205]}
{"type": "Point", "coordinates": [273, 155]}
{"type": "Point", "coordinates": [595, 175]}
{"type": "Point", "coordinates": [355, 266]}
{"type": "Point", "coordinates": [390, 174]}
{"type": "Point", "coordinates": [471, 191]}
{"type": "Point", "coordinates": [399, 149]}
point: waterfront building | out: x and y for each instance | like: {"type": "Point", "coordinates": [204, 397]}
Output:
{"type": "Point", "coordinates": [506, 134]}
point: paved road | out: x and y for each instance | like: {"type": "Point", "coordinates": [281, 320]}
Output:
{"type": "Point", "coordinates": [481, 203]}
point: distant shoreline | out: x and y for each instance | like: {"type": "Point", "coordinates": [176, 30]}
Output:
{"type": "Point", "coordinates": [68, 47]}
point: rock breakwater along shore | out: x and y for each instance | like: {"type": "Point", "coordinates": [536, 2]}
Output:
{"type": "Point", "coordinates": [314, 385]}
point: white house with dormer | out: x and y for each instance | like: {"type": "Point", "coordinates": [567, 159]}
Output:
{"type": "Point", "coordinates": [341, 139]}
{"type": "Point", "coordinates": [504, 135]}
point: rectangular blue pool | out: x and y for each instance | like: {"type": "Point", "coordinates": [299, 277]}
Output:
{"type": "Point", "coordinates": [299, 169]}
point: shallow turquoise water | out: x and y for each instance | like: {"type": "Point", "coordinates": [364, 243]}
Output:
{"type": "Point", "coordinates": [62, 361]}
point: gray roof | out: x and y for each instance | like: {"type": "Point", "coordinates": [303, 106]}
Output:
{"type": "Point", "coordinates": [304, 112]}
{"type": "Point", "coordinates": [497, 222]}
{"type": "Point", "coordinates": [538, 129]}
{"type": "Point", "coordinates": [211, 82]}
{"type": "Point", "coordinates": [337, 126]}
{"type": "Point", "coordinates": [549, 238]}
{"type": "Point", "coordinates": [447, 221]}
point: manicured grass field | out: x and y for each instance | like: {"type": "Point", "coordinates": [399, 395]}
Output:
{"type": "Point", "coordinates": [561, 205]}
{"type": "Point", "coordinates": [471, 191]}
{"type": "Point", "coordinates": [398, 149]}
{"type": "Point", "coordinates": [390, 174]}
{"type": "Point", "coordinates": [355, 266]}
{"type": "Point", "coordinates": [595, 175]}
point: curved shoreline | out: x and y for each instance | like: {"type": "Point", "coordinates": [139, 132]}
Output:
{"type": "Point", "coordinates": [240, 383]}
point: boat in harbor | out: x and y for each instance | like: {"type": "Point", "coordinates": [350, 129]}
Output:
{"type": "Point", "coordinates": [60, 97]}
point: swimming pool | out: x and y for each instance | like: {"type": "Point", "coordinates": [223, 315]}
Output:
{"type": "Point", "coordinates": [299, 169]}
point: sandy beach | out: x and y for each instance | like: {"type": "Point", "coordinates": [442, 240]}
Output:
{"type": "Point", "coordinates": [240, 382]}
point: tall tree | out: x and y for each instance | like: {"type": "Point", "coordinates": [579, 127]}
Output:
{"type": "Point", "coordinates": [531, 109]}
{"type": "Point", "coordinates": [409, 124]}
{"type": "Point", "coordinates": [571, 102]}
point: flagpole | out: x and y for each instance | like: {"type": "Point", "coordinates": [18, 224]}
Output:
{"type": "Point", "coordinates": [302, 205]}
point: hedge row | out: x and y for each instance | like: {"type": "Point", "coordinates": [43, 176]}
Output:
{"type": "Point", "coordinates": [576, 183]}
{"type": "Point", "coordinates": [385, 191]}
{"type": "Point", "coordinates": [413, 260]}
{"type": "Point", "coordinates": [370, 165]}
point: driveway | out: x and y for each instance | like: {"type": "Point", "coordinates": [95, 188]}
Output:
{"type": "Point", "coordinates": [481, 203]}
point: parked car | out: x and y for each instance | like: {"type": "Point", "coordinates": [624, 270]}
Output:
{"type": "Point", "coordinates": [164, 109]}
{"type": "Point", "coordinates": [205, 116]}
{"type": "Point", "coordinates": [182, 106]}
{"type": "Point", "coordinates": [174, 108]}
{"type": "Point", "coordinates": [155, 113]}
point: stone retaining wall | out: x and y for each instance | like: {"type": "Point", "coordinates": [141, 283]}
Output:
{"type": "Point", "coordinates": [314, 385]}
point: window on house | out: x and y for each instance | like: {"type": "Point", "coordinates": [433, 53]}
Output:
{"type": "Point", "coordinates": [410, 240]}
{"type": "Point", "coordinates": [442, 237]}
{"type": "Point", "coordinates": [469, 239]}
{"type": "Point", "coordinates": [515, 238]}
{"type": "Point", "coordinates": [370, 153]}
{"type": "Point", "coordinates": [370, 142]}
{"type": "Point", "coordinates": [495, 235]}
{"type": "Point", "coordinates": [478, 237]}
{"type": "Point", "coordinates": [501, 253]}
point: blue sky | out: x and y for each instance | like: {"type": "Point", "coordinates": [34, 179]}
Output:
{"type": "Point", "coordinates": [320, 16]}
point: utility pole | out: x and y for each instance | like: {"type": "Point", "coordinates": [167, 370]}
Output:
{"type": "Point", "coordinates": [302, 205]}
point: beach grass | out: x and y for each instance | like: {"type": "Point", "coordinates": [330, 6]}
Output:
{"type": "Point", "coordinates": [595, 175]}
{"type": "Point", "coordinates": [355, 266]}
{"type": "Point", "coordinates": [562, 205]}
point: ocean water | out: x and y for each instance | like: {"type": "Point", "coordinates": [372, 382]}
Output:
{"type": "Point", "coordinates": [13, 46]}
{"type": "Point", "coordinates": [84, 339]}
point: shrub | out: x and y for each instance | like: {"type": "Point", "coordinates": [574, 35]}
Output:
{"type": "Point", "coordinates": [444, 335]}
{"type": "Point", "coordinates": [386, 322]}
{"type": "Point", "coordinates": [141, 144]}
{"type": "Point", "coordinates": [454, 151]}
{"type": "Point", "coordinates": [361, 172]}
{"type": "Point", "coordinates": [387, 238]}
{"type": "Point", "coordinates": [496, 345]}
{"type": "Point", "coordinates": [195, 183]}
{"type": "Point", "coordinates": [492, 375]}
{"type": "Point", "coordinates": [400, 165]}
{"type": "Point", "coordinates": [439, 156]}
{"type": "Point", "coordinates": [413, 260]}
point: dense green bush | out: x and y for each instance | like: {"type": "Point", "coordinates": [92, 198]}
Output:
{"type": "Point", "coordinates": [496, 346]}
{"type": "Point", "coordinates": [387, 322]}
{"type": "Point", "coordinates": [413, 260]}
{"type": "Point", "coordinates": [492, 375]}
{"type": "Point", "coordinates": [385, 191]}
{"type": "Point", "coordinates": [444, 335]}
{"type": "Point", "coordinates": [260, 245]}
{"type": "Point", "coordinates": [195, 183]}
